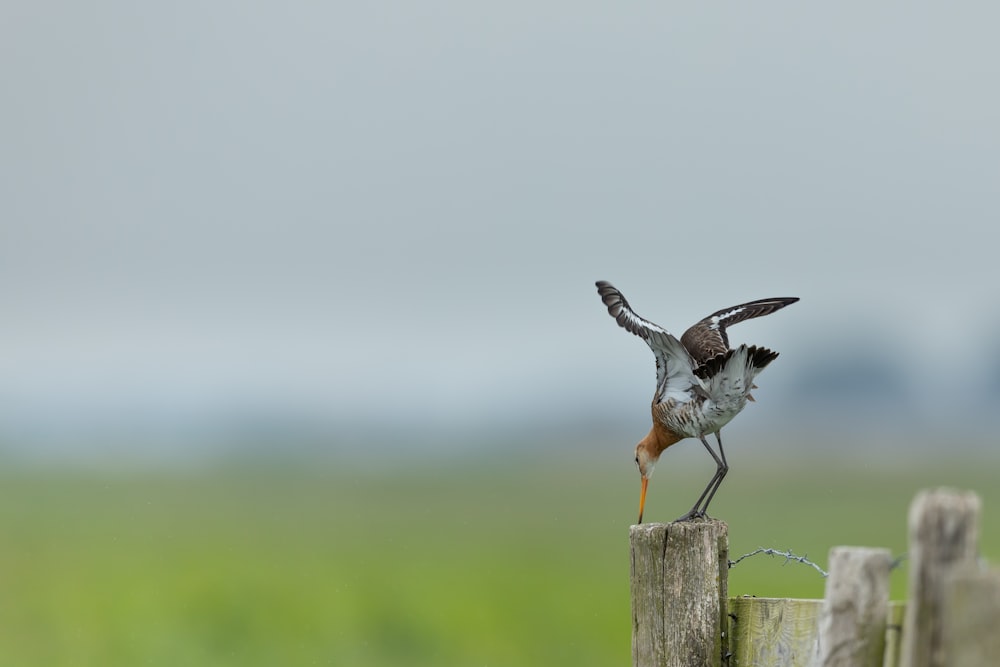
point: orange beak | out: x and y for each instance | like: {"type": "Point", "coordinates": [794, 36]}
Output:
{"type": "Point", "coordinates": [642, 497]}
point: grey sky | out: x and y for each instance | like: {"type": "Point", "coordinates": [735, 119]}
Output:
{"type": "Point", "coordinates": [345, 206]}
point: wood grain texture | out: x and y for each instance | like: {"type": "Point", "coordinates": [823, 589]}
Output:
{"type": "Point", "coordinates": [679, 593]}
{"type": "Point", "coordinates": [972, 617]}
{"type": "Point", "coordinates": [853, 616]}
{"type": "Point", "coordinates": [943, 535]}
{"type": "Point", "coordinates": [773, 632]}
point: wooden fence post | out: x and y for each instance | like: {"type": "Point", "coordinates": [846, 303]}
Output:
{"type": "Point", "coordinates": [944, 533]}
{"type": "Point", "coordinates": [852, 620]}
{"type": "Point", "coordinates": [679, 586]}
{"type": "Point", "coordinates": [893, 633]}
{"type": "Point", "coordinates": [972, 617]}
{"type": "Point", "coordinates": [772, 632]}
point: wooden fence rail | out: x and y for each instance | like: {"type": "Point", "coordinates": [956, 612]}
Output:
{"type": "Point", "coordinates": [682, 615]}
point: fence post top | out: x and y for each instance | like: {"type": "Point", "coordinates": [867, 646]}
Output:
{"type": "Point", "coordinates": [945, 497]}
{"type": "Point", "coordinates": [690, 526]}
{"type": "Point", "coordinates": [859, 552]}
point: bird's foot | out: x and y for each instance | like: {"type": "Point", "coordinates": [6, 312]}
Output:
{"type": "Point", "coordinates": [695, 513]}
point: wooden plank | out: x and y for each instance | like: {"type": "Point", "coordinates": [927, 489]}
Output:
{"type": "Point", "coordinates": [773, 632]}
{"type": "Point", "coordinates": [893, 633]}
{"type": "Point", "coordinates": [972, 617]}
{"type": "Point", "coordinates": [852, 619]}
{"type": "Point", "coordinates": [679, 593]}
{"type": "Point", "coordinates": [944, 534]}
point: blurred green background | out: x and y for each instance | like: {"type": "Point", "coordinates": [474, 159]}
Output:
{"type": "Point", "coordinates": [301, 360]}
{"type": "Point", "coordinates": [499, 563]}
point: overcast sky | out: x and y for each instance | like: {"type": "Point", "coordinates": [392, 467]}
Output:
{"type": "Point", "coordinates": [356, 208]}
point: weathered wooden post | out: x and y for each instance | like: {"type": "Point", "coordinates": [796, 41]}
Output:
{"type": "Point", "coordinates": [944, 534]}
{"type": "Point", "coordinates": [679, 594]}
{"type": "Point", "coordinates": [972, 617]}
{"type": "Point", "coordinates": [852, 619]}
{"type": "Point", "coordinates": [893, 633]}
{"type": "Point", "coordinates": [772, 632]}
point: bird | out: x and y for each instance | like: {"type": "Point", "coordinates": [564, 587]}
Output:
{"type": "Point", "coordinates": [701, 383]}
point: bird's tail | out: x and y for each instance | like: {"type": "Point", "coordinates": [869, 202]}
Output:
{"type": "Point", "coordinates": [733, 372]}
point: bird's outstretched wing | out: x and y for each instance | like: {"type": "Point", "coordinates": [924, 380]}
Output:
{"type": "Point", "coordinates": [674, 366]}
{"type": "Point", "coordinates": [708, 338]}
{"type": "Point", "coordinates": [627, 318]}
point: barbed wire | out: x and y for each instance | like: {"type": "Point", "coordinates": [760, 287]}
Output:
{"type": "Point", "coordinates": [789, 556]}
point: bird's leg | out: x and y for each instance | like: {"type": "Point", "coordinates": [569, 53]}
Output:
{"type": "Point", "coordinates": [720, 472]}
{"type": "Point", "coordinates": [722, 452]}
{"type": "Point", "coordinates": [695, 512]}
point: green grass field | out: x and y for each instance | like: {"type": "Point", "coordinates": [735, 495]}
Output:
{"type": "Point", "coordinates": [490, 565]}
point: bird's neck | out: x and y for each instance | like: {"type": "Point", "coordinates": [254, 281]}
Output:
{"type": "Point", "coordinates": [658, 439]}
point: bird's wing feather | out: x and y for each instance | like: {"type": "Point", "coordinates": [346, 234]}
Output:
{"type": "Point", "coordinates": [674, 366]}
{"type": "Point", "coordinates": [708, 338]}
{"type": "Point", "coordinates": [675, 378]}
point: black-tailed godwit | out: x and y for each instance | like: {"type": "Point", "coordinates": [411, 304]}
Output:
{"type": "Point", "coordinates": [701, 383]}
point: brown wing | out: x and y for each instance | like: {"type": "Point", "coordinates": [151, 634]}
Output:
{"type": "Point", "coordinates": [708, 338]}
